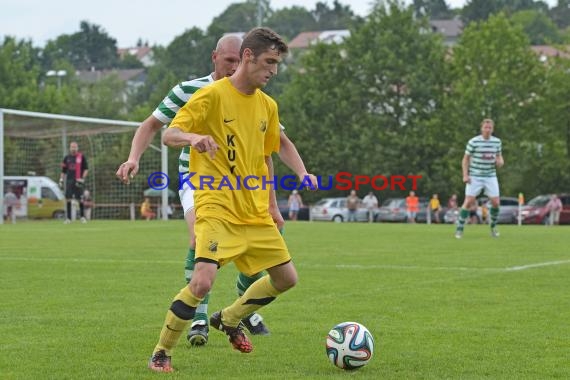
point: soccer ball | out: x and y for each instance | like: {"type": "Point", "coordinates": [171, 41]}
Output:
{"type": "Point", "coordinates": [350, 345]}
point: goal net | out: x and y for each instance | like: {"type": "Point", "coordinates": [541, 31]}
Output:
{"type": "Point", "coordinates": [34, 145]}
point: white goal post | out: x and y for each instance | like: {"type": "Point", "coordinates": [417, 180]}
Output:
{"type": "Point", "coordinates": [33, 144]}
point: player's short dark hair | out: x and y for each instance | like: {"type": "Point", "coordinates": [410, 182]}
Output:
{"type": "Point", "coordinates": [259, 40]}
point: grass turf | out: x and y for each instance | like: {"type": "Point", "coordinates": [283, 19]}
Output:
{"type": "Point", "coordinates": [88, 301]}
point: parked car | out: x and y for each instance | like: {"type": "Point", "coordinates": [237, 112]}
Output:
{"type": "Point", "coordinates": [535, 212]}
{"type": "Point", "coordinates": [394, 210]}
{"type": "Point", "coordinates": [39, 197]}
{"type": "Point", "coordinates": [334, 209]}
{"type": "Point", "coordinates": [283, 205]}
{"type": "Point", "coordinates": [508, 208]}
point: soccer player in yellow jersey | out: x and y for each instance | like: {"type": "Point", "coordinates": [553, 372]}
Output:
{"type": "Point", "coordinates": [233, 127]}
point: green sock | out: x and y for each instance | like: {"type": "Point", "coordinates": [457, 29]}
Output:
{"type": "Point", "coordinates": [202, 309]}
{"type": "Point", "coordinates": [244, 282]}
{"type": "Point", "coordinates": [494, 216]}
{"type": "Point", "coordinates": [463, 214]}
{"type": "Point", "coordinates": [189, 267]}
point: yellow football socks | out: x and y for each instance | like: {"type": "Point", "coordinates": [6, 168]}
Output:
{"type": "Point", "coordinates": [177, 318]}
{"type": "Point", "coordinates": [259, 294]}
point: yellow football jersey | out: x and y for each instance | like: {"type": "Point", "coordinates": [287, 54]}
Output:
{"type": "Point", "coordinates": [246, 128]}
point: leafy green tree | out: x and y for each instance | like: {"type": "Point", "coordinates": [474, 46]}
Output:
{"type": "Point", "coordinates": [188, 56]}
{"type": "Point", "coordinates": [19, 72]}
{"type": "Point", "coordinates": [289, 22]}
{"type": "Point", "coordinates": [240, 17]}
{"type": "Point", "coordinates": [548, 153]}
{"type": "Point", "coordinates": [560, 14]}
{"type": "Point", "coordinates": [130, 61]}
{"type": "Point", "coordinates": [91, 47]}
{"type": "Point", "coordinates": [539, 28]}
{"type": "Point", "coordinates": [339, 16]}
{"type": "Point", "coordinates": [480, 10]}
{"type": "Point", "coordinates": [433, 9]}
{"type": "Point", "coordinates": [368, 111]}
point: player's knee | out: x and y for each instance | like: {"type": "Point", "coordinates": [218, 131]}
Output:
{"type": "Point", "coordinates": [286, 281]}
{"type": "Point", "coordinates": [200, 286]}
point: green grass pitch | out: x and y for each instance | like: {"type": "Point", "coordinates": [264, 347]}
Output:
{"type": "Point", "coordinates": [88, 302]}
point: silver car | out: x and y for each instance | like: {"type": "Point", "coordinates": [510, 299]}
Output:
{"type": "Point", "coordinates": [334, 209]}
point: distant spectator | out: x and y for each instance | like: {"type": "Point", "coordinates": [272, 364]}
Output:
{"type": "Point", "coordinates": [371, 203]}
{"type": "Point", "coordinates": [11, 202]}
{"type": "Point", "coordinates": [554, 207]}
{"type": "Point", "coordinates": [412, 207]}
{"type": "Point", "coordinates": [146, 210]}
{"type": "Point", "coordinates": [352, 204]}
{"type": "Point", "coordinates": [295, 203]}
{"type": "Point", "coordinates": [87, 204]}
{"type": "Point", "coordinates": [452, 202]}
{"type": "Point", "coordinates": [435, 207]}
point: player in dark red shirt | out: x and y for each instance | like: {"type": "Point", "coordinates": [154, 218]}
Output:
{"type": "Point", "coordinates": [73, 172]}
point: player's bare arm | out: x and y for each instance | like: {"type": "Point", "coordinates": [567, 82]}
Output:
{"type": "Point", "coordinates": [142, 139]}
{"type": "Point", "coordinates": [290, 156]}
{"type": "Point", "coordinates": [273, 207]}
{"type": "Point", "coordinates": [499, 161]}
{"type": "Point", "coordinates": [465, 167]}
{"type": "Point", "coordinates": [176, 138]}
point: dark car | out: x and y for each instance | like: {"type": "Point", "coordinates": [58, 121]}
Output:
{"type": "Point", "coordinates": [536, 212]}
{"type": "Point", "coordinates": [283, 205]}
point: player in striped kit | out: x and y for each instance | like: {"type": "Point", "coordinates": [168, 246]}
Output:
{"type": "Point", "coordinates": [225, 59]}
{"type": "Point", "coordinates": [483, 155]}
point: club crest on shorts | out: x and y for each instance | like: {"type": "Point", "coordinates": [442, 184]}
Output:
{"type": "Point", "coordinates": [212, 246]}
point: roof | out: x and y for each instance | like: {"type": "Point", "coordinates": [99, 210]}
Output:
{"type": "Point", "coordinates": [139, 52]}
{"type": "Point", "coordinates": [305, 39]}
{"type": "Point", "coordinates": [96, 75]}
{"type": "Point", "coordinates": [449, 28]}
{"type": "Point", "coordinates": [551, 51]}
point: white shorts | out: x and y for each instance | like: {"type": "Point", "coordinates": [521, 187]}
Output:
{"type": "Point", "coordinates": [489, 184]}
{"type": "Point", "coordinates": [186, 198]}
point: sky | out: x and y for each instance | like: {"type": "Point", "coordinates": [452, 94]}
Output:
{"type": "Point", "coordinates": [127, 21]}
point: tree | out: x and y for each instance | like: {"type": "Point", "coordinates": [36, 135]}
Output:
{"type": "Point", "coordinates": [480, 10]}
{"type": "Point", "coordinates": [188, 56]}
{"type": "Point", "coordinates": [548, 155]}
{"type": "Point", "coordinates": [19, 72]}
{"type": "Point", "coordinates": [338, 17]}
{"type": "Point", "coordinates": [129, 61]}
{"type": "Point", "coordinates": [240, 17]}
{"type": "Point", "coordinates": [368, 110]}
{"type": "Point", "coordinates": [496, 75]}
{"type": "Point", "coordinates": [432, 9]}
{"type": "Point", "coordinates": [560, 14]}
{"type": "Point", "coordinates": [91, 47]}
{"type": "Point", "coordinates": [539, 28]}
{"type": "Point", "coordinates": [289, 22]}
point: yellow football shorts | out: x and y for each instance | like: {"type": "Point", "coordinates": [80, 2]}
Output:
{"type": "Point", "coordinates": [253, 248]}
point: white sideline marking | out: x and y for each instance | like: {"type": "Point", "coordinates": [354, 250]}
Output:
{"type": "Point", "coordinates": [338, 266]}
{"type": "Point", "coordinates": [537, 265]}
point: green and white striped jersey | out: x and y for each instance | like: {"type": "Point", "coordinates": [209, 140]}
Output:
{"type": "Point", "coordinates": [171, 104]}
{"type": "Point", "coordinates": [483, 154]}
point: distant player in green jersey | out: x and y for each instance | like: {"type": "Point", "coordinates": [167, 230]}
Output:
{"type": "Point", "coordinates": [483, 155]}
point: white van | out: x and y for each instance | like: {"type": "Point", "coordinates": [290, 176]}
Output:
{"type": "Point", "coordinates": [38, 197]}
